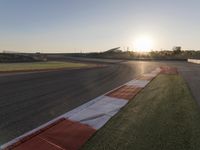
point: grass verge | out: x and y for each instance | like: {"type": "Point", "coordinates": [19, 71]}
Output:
{"type": "Point", "coordinates": [9, 67]}
{"type": "Point", "coordinates": [163, 116]}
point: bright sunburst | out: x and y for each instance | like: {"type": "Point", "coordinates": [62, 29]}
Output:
{"type": "Point", "coordinates": [143, 44]}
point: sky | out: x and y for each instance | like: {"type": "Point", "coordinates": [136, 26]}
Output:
{"type": "Point", "coordinates": [97, 25]}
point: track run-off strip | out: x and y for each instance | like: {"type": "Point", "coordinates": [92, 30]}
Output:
{"type": "Point", "coordinates": [71, 130]}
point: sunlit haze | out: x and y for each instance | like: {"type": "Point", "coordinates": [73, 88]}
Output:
{"type": "Point", "coordinates": [88, 25]}
{"type": "Point", "coordinates": [143, 44]}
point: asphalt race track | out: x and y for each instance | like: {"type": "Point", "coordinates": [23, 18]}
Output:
{"type": "Point", "coordinates": [31, 99]}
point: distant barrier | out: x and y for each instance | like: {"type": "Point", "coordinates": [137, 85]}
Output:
{"type": "Point", "coordinates": [196, 61]}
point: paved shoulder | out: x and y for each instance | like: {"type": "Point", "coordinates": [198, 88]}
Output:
{"type": "Point", "coordinates": [191, 73]}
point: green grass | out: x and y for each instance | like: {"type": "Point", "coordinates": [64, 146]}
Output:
{"type": "Point", "coordinates": [163, 116]}
{"type": "Point", "coordinates": [4, 67]}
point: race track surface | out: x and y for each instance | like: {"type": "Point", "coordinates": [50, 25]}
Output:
{"type": "Point", "coordinates": [29, 100]}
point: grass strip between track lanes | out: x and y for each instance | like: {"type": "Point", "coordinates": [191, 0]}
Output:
{"type": "Point", "coordinates": [162, 116]}
{"type": "Point", "coordinates": [39, 66]}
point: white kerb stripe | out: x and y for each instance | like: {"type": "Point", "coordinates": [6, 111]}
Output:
{"type": "Point", "coordinates": [138, 83]}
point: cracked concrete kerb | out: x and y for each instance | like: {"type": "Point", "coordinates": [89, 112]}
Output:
{"type": "Point", "coordinates": [73, 129]}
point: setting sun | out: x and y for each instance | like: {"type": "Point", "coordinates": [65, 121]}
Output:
{"type": "Point", "coordinates": [143, 44]}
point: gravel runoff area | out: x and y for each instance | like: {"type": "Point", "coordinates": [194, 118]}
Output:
{"type": "Point", "coordinates": [164, 116]}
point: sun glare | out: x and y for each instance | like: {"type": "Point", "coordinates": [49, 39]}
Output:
{"type": "Point", "coordinates": [143, 44]}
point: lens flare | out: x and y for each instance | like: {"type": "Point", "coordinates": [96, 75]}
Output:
{"type": "Point", "coordinates": [143, 44]}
